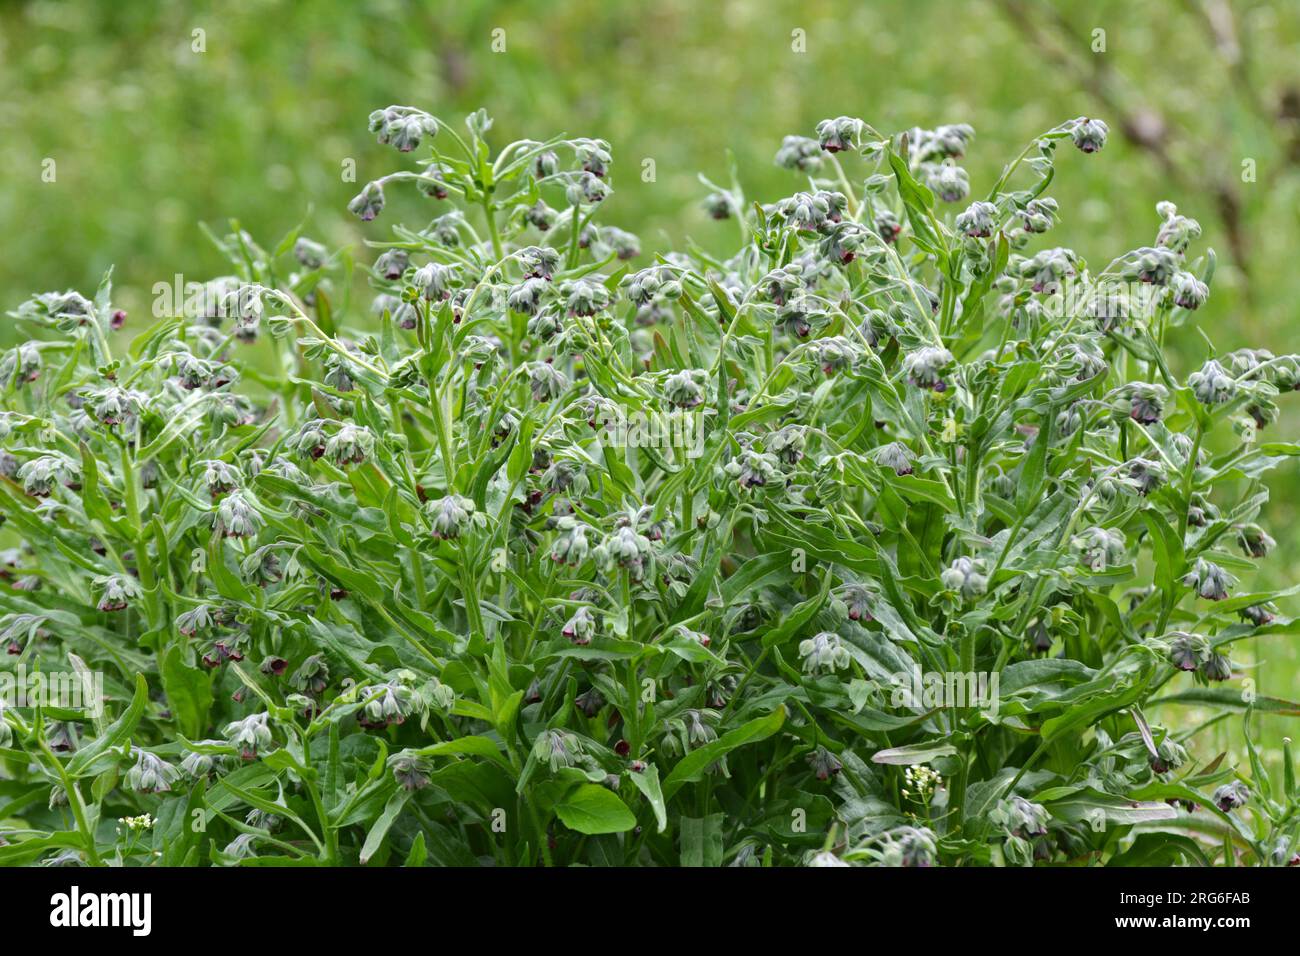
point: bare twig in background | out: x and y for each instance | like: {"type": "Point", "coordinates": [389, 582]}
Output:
{"type": "Point", "coordinates": [1142, 124]}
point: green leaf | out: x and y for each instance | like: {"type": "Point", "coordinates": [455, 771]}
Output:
{"type": "Point", "coordinates": [647, 781]}
{"type": "Point", "coordinates": [188, 690]}
{"type": "Point", "coordinates": [592, 809]}
{"type": "Point", "coordinates": [385, 822]}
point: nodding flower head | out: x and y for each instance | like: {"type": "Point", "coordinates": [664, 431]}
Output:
{"type": "Point", "coordinates": [1231, 796]}
{"type": "Point", "coordinates": [910, 847]}
{"type": "Point", "coordinates": [249, 735]}
{"type": "Point", "coordinates": [685, 389]}
{"type": "Point", "coordinates": [1169, 756]}
{"type": "Point", "coordinates": [1089, 134]}
{"type": "Point", "coordinates": [151, 774]}
{"type": "Point", "coordinates": [857, 600]}
{"type": "Point", "coordinates": [583, 297]}
{"type": "Point", "coordinates": [393, 263]}
{"type": "Point", "coordinates": [647, 285]}
{"type": "Point", "coordinates": [1022, 817]}
{"type": "Point", "coordinates": [1176, 232]}
{"type": "Point", "coordinates": [1100, 548]}
{"type": "Point", "coordinates": [235, 516]}
{"type": "Point", "coordinates": [1187, 291]}
{"type": "Point", "coordinates": [1254, 541]}
{"type": "Point", "coordinates": [895, 456]}
{"type": "Point", "coordinates": [719, 205]}
{"type": "Point", "coordinates": [546, 381]}
{"type": "Point", "coordinates": [927, 367]}
{"type": "Point", "coordinates": [887, 226]}
{"type": "Point", "coordinates": [754, 469]}
{"type": "Point", "coordinates": [1212, 385]}
{"type": "Point", "coordinates": [788, 443]}
{"type": "Point", "coordinates": [1217, 667]}
{"type": "Point", "coordinates": [312, 675]}
{"type": "Point", "coordinates": [1209, 580]}
{"type": "Point", "coordinates": [824, 653]}
{"type": "Point", "coordinates": [220, 477]}
{"type": "Point", "coordinates": [1187, 652]}
{"type": "Point", "coordinates": [40, 475]}
{"type": "Point", "coordinates": [978, 220]}
{"type": "Point", "coordinates": [197, 620]}
{"type": "Point", "coordinates": [1154, 265]}
{"type": "Point", "coordinates": [587, 189]}
{"type": "Point", "coordinates": [117, 591]}
{"type": "Point", "coordinates": [450, 516]}
{"type": "Point", "coordinates": [950, 183]}
{"type": "Point", "coordinates": [368, 203]}
{"type": "Point", "coordinates": [20, 366]}
{"type": "Point", "coordinates": [435, 281]}
{"type": "Point", "coordinates": [966, 576]}
{"type": "Point", "coordinates": [1046, 270]}
{"type": "Point", "coordinates": [1039, 215]}
{"type": "Point", "coordinates": [824, 763]}
{"type": "Point", "coordinates": [626, 549]}
{"type": "Point", "coordinates": [402, 127]}
{"type": "Point", "coordinates": [557, 749]}
{"type": "Point", "coordinates": [571, 546]}
{"type": "Point", "coordinates": [839, 134]}
{"type": "Point", "coordinates": [410, 769]}
{"type": "Point", "coordinates": [799, 153]}
{"type": "Point", "coordinates": [581, 627]}
{"type": "Point", "coordinates": [1143, 402]}
{"type": "Point", "coordinates": [540, 262]}
{"type": "Point", "coordinates": [527, 297]}
{"type": "Point", "coordinates": [1146, 474]}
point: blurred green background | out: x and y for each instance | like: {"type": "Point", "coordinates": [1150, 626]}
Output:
{"type": "Point", "coordinates": [149, 137]}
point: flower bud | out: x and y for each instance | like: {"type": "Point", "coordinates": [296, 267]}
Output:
{"type": "Point", "coordinates": [236, 517]}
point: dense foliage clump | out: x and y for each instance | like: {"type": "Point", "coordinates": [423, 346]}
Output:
{"type": "Point", "coordinates": [873, 543]}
